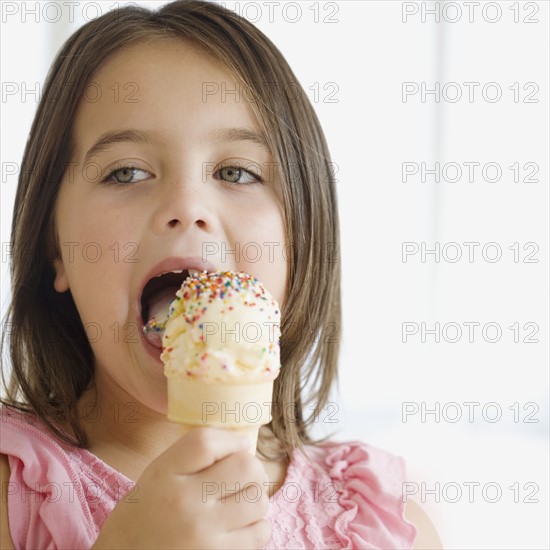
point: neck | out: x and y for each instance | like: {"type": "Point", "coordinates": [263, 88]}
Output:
{"type": "Point", "coordinates": [123, 432]}
{"type": "Point", "coordinates": [128, 436]}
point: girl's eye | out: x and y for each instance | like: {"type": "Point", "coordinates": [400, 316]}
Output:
{"type": "Point", "coordinates": [232, 174]}
{"type": "Point", "coordinates": [126, 174]}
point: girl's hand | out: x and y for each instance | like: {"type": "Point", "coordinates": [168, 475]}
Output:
{"type": "Point", "coordinates": [181, 498]}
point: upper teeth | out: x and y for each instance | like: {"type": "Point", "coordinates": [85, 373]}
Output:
{"type": "Point", "coordinates": [192, 272]}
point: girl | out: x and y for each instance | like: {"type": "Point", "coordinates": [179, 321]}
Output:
{"type": "Point", "coordinates": [165, 142]}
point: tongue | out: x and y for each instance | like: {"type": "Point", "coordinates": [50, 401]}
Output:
{"type": "Point", "coordinates": [159, 308]}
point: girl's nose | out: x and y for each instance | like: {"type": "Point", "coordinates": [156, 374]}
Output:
{"type": "Point", "coordinates": [184, 204]}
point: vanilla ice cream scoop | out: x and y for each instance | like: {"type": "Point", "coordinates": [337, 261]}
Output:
{"type": "Point", "coordinates": [222, 327]}
{"type": "Point", "coordinates": [220, 350]}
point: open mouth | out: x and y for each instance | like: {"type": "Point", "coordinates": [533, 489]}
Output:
{"type": "Point", "coordinates": [156, 298]}
{"type": "Point", "coordinates": [158, 294]}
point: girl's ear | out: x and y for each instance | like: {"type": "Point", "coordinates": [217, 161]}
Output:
{"type": "Point", "coordinates": [55, 258]}
{"type": "Point", "coordinates": [61, 282]}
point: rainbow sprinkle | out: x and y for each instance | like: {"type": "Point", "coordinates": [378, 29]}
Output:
{"type": "Point", "coordinates": [224, 291]}
{"type": "Point", "coordinates": [221, 285]}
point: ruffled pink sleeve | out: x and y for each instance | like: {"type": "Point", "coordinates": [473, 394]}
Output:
{"type": "Point", "coordinates": [341, 495]}
{"type": "Point", "coordinates": [58, 496]}
{"type": "Point", "coordinates": [371, 495]}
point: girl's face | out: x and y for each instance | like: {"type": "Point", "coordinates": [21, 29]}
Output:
{"type": "Point", "coordinates": [185, 128]}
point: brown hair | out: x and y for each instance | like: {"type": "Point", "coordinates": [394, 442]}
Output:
{"type": "Point", "coordinates": [43, 328]}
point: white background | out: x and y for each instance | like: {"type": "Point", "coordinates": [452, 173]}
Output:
{"type": "Point", "coordinates": [366, 53]}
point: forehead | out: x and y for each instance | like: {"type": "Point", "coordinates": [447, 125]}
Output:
{"type": "Point", "coordinates": [168, 85]}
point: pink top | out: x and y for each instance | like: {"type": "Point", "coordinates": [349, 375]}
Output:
{"type": "Point", "coordinates": [344, 495]}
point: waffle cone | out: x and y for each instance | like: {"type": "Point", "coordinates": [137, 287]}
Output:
{"type": "Point", "coordinates": [242, 407]}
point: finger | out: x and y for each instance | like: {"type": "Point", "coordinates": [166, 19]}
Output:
{"type": "Point", "coordinates": [252, 536]}
{"type": "Point", "coordinates": [237, 510]}
{"type": "Point", "coordinates": [201, 448]}
{"type": "Point", "coordinates": [232, 473]}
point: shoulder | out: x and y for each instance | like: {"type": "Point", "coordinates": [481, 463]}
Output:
{"type": "Point", "coordinates": [427, 537]}
{"type": "Point", "coordinates": [25, 440]}
{"type": "Point", "coordinates": [45, 484]}
{"type": "Point", "coordinates": [377, 476]}
{"type": "Point", "coordinates": [366, 482]}
{"type": "Point", "coordinates": [381, 470]}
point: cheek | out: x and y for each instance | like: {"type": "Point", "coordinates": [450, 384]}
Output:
{"type": "Point", "coordinates": [95, 236]}
{"type": "Point", "coordinates": [263, 250]}
{"type": "Point", "coordinates": [100, 291]}
{"type": "Point", "coordinates": [97, 261]}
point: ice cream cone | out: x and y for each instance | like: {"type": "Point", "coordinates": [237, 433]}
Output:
{"type": "Point", "coordinates": [220, 352]}
{"type": "Point", "coordinates": [242, 407]}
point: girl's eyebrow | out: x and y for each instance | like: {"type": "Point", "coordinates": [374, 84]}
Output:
{"type": "Point", "coordinates": [220, 135]}
{"type": "Point", "coordinates": [119, 136]}
{"type": "Point", "coordinates": [239, 134]}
